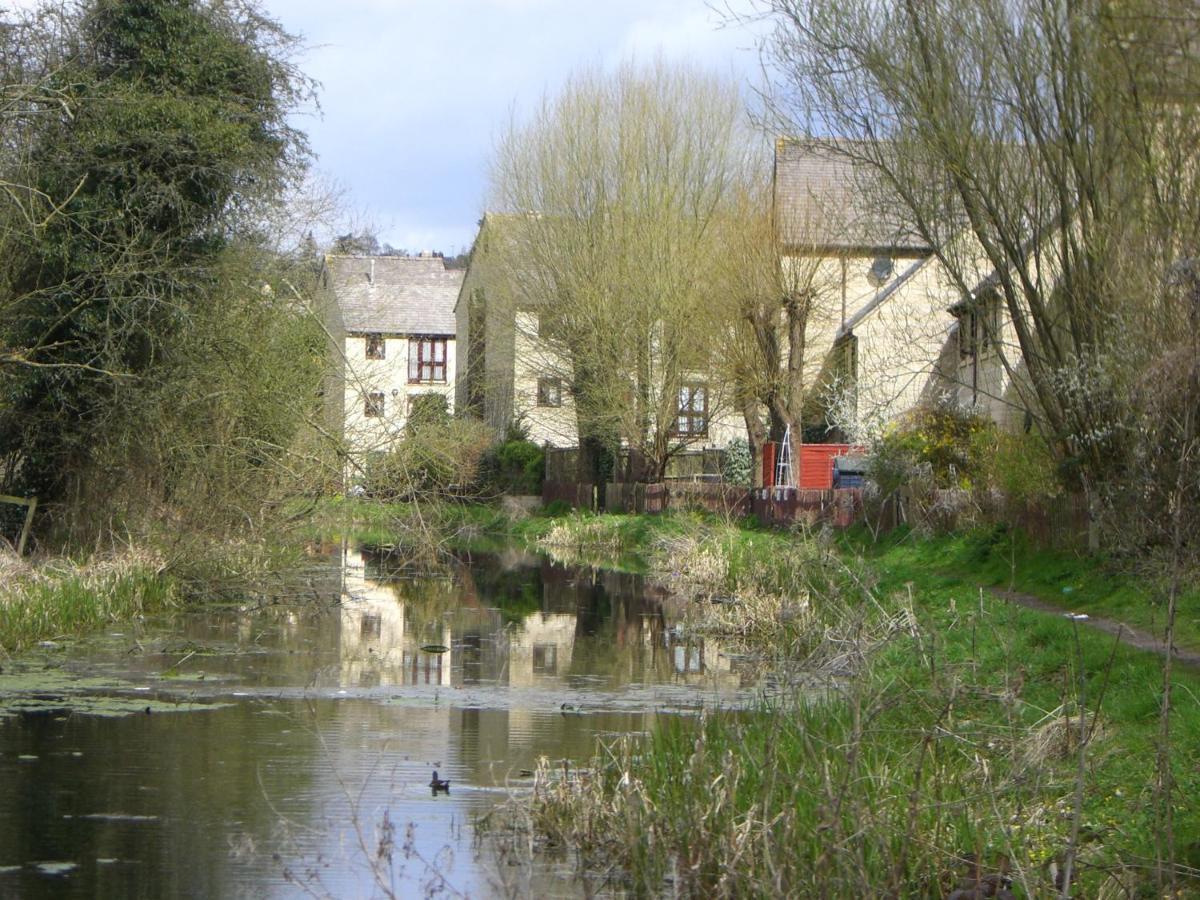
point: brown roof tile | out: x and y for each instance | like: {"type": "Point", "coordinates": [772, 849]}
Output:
{"type": "Point", "coordinates": [824, 201]}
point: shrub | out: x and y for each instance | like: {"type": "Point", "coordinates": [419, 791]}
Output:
{"type": "Point", "coordinates": [738, 466]}
{"type": "Point", "coordinates": [936, 441]}
{"type": "Point", "coordinates": [1020, 466]}
{"type": "Point", "coordinates": [514, 467]}
{"type": "Point", "coordinates": [432, 459]}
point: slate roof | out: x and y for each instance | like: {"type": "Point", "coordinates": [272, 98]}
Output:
{"type": "Point", "coordinates": [395, 294]}
{"type": "Point", "coordinates": [823, 200]}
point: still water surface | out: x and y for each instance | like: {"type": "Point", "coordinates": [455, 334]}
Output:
{"type": "Point", "coordinates": [261, 750]}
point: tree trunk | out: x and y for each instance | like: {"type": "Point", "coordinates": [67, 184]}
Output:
{"type": "Point", "coordinates": [757, 435]}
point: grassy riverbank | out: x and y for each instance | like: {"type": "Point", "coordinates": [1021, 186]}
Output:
{"type": "Point", "coordinates": [972, 728]}
{"type": "Point", "coordinates": [986, 557]}
{"type": "Point", "coordinates": [56, 597]}
{"type": "Point", "coordinates": [53, 599]}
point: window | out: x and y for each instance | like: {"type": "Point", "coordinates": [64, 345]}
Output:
{"type": "Point", "coordinates": [846, 360]}
{"type": "Point", "coordinates": [989, 321]}
{"type": "Point", "coordinates": [426, 360]}
{"type": "Point", "coordinates": [549, 392]}
{"type": "Point", "coordinates": [376, 346]}
{"type": "Point", "coordinates": [691, 418]}
{"type": "Point", "coordinates": [979, 324]}
{"type": "Point", "coordinates": [371, 627]}
{"type": "Point", "coordinates": [373, 408]}
{"type": "Point", "coordinates": [545, 659]}
{"type": "Point", "coordinates": [966, 334]}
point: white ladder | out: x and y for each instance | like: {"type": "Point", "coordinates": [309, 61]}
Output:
{"type": "Point", "coordinates": [783, 462]}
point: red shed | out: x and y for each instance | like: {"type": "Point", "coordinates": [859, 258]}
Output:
{"type": "Point", "coordinates": [816, 464]}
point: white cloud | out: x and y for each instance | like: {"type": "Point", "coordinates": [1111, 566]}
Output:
{"type": "Point", "coordinates": [695, 35]}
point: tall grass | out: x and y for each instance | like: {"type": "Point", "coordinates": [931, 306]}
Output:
{"type": "Point", "coordinates": [978, 744]}
{"type": "Point", "coordinates": [57, 598]}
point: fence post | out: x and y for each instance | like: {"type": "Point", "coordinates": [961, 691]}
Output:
{"type": "Point", "coordinates": [27, 527]}
{"type": "Point", "coordinates": [30, 505]}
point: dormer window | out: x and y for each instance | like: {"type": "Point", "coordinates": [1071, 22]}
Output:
{"type": "Point", "coordinates": [376, 346]}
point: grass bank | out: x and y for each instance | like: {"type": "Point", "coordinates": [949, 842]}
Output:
{"type": "Point", "coordinates": [52, 597]}
{"type": "Point", "coordinates": [1005, 559]}
{"type": "Point", "coordinates": [978, 742]}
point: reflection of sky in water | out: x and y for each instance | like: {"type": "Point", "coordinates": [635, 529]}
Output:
{"type": "Point", "coordinates": [335, 718]}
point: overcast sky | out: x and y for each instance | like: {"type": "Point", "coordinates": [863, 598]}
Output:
{"type": "Point", "coordinates": [415, 91]}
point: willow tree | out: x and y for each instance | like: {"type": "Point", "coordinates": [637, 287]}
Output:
{"type": "Point", "coordinates": [613, 189]}
{"type": "Point", "coordinates": [1045, 147]}
{"type": "Point", "coordinates": [160, 132]}
{"type": "Point", "coordinates": [773, 307]}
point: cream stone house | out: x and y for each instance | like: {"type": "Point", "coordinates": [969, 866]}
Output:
{"type": "Point", "coordinates": [507, 374]}
{"type": "Point", "coordinates": [510, 374]}
{"type": "Point", "coordinates": [890, 329]}
{"type": "Point", "coordinates": [838, 245]}
{"type": "Point", "coordinates": [894, 331]}
{"type": "Point", "coordinates": [391, 321]}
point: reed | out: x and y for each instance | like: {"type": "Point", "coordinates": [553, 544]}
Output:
{"type": "Point", "coordinates": [57, 598]}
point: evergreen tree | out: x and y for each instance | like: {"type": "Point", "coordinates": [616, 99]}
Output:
{"type": "Point", "coordinates": [170, 132]}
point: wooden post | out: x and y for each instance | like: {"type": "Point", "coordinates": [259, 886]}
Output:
{"type": "Point", "coordinates": [30, 505]}
{"type": "Point", "coordinates": [768, 464]}
{"type": "Point", "coordinates": [27, 527]}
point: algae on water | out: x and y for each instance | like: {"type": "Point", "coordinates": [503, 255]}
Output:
{"type": "Point", "coordinates": [49, 690]}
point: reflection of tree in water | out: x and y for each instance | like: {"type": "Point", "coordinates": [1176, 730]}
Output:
{"type": "Point", "coordinates": [514, 588]}
{"type": "Point", "coordinates": [619, 619]}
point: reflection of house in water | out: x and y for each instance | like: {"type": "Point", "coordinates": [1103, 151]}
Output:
{"type": "Point", "coordinates": [376, 646]}
{"type": "Point", "coordinates": [698, 658]}
{"type": "Point", "coordinates": [517, 620]}
{"type": "Point", "coordinates": [543, 645]}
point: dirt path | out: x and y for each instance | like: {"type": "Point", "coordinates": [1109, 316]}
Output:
{"type": "Point", "coordinates": [1127, 634]}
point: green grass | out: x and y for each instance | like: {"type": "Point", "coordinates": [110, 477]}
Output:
{"type": "Point", "coordinates": [999, 558]}
{"type": "Point", "coordinates": [65, 602]}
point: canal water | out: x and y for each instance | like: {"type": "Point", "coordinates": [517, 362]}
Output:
{"type": "Point", "coordinates": [285, 747]}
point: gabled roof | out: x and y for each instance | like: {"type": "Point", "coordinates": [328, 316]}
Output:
{"type": "Point", "coordinates": [824, 201]}
{"type": "Point", "coordinates": [394, 294]}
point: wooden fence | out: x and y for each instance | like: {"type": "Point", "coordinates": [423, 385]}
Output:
{"type": "Point", "coordinates": [721, 499]}
{"type": "Point", "coordinates": [30, 505]}
{"type": "Point", "coordinates": [783, 507]}
{"type": "Point", "coordinates": [577, 494]}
